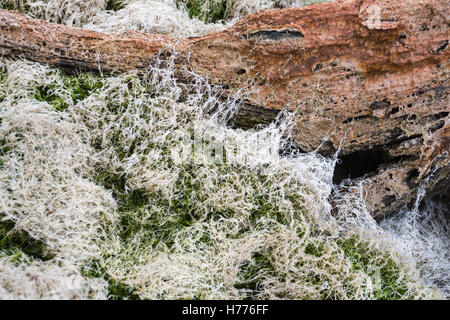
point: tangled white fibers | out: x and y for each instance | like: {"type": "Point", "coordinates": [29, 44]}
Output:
{"type": "Point", "coordinates": [168, 17]}
{"type": "Point", "coordinates": [423, 235]}
{"type": "Point", "coordinates": [73, 13]}
{"type": "Point", "coordinates": [132, 186]}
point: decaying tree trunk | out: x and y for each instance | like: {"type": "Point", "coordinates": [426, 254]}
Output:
{"type": "Point", "coordinates": [373, 73]}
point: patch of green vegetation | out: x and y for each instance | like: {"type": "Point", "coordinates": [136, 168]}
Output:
{"type": "Point", "coordinates": [113, 182]}
{"type": "Point", "coordinates": [388, 280]}
{"type": "Point", "coordinates": [137, 220]}
{"type": "Point", "coordinates": [135, 205]}
{"type": "Point", "coordinates": [115, 5]}
{"type": "Point", "coordinates": [212, 11]}
{"type": "Point", "coordinates": [251, 274]}
{"type": "Point", "coordinates": [265, 208]}
{"type": "Point", "coordinates": [47, 94]}
{"type": "Point", "coordinates": [12, 5]}
{"type": "Point", "coordinates": [78, 87]}
{"type": "Point", "coordinates": [16, 243]}
{"type": "Point", "coordinates": [208, 11]}
{"type": "Point", "coordinates": [316, 250]}
{"type": "Point", "coordinates": [135, 208]}
{"type": "Point", "coordinates": [3, 77]}
{"type": "Point", "coordinates": [4, 149]}
{"type": "Point", "coordinates": [151, 228]}
{"type": "Point", "coordinates": [116, 289]}
{"type": "Point", "coordinates": [83, 85]}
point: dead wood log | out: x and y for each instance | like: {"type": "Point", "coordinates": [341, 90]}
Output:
{"type": "Point", "coordinates": [370, 76]}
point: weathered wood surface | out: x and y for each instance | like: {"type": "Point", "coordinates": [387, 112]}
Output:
{"type": "Point", "coordinates": [378, 88]}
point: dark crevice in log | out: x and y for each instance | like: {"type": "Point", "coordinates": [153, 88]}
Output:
{"type": "Point", "coordinates": [395, 143]}
{"type": "Point", "coordinates": [363, 163]}
{"type": "Point", "coordinates": [368, 162]}
{"type": "Point", "coordinates": [249, 117]}
{"type": "Point", "coordinates": [276, 35]}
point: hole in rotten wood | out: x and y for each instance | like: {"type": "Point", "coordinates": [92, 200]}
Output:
{"type": "Point", "coordinates": [276, 35]}
{"type": "Point", "coordinates": [360, 163]}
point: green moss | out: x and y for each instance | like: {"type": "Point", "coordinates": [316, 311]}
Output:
{"type": "Point", "coordinates": [162, 228]}
{"type": "Point", "coordinates": [251, 273]}
{"type": "Point", "coordinates": [213, 11]}
{"type": "Point", "coordinates": [388, 280]}
{"type": "Point", "coordinates": [116, 289]}
{"type": "Point", "coordinates": [11, 5]}
{"type": "Point", "coordinates": [73, 89]}
{"type": "Point", "coordinates": [3, 77]}
{"type": "Point", "coordinates": [83, 85]}
{"type": "Point", "coordinates": [137, 220]}
{"type": "Point", "coordinates": [77, 87]}
{"type": "Point", "coordinates": [264, 208]}
{"type": "Point", "coordinates": [46, 93]}
{"type": "Point", "coordinates": [16, 243]}
{"type": "Point", "coordinates": [115, 5]}
{"type": "Point", "coordinates": [3, 149]}
{"type": "Point", "coordinates": [209, 11]}
{"type": "Point", "coordinates": [316, 250]}
{"type": "Point", "coordinates": [134, 206]}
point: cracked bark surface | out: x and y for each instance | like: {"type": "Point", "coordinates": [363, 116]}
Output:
{"type": "Point", "coordinates": [379, 90]}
